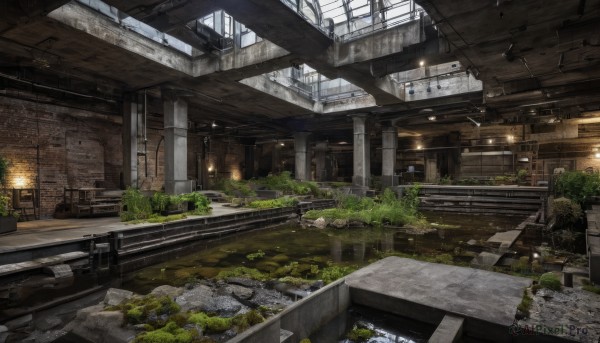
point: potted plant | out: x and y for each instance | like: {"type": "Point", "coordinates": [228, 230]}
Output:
{"type": "Point", "coordinates": [8, 218]}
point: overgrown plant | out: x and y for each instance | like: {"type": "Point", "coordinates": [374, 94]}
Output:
{"type": "Point", "coordinates": [578, 186]}
{"type": "Point", "coordinates": [200, 201]}
{"type": "Point", "coordinates": [283, 182]}
{"type": "Point", "coordinates": [234, 188]}
{"type": "Point", "coordinates": [135, 205]}
{"type": "Point", "coordinates": [390, 210]}
{"type": "Point", "coordinates": [3, 170]}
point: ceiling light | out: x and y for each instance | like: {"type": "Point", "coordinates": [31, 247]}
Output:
{"type": "Point", "coordinates": [524, 159]}
{"type": "Point", "coordinates": [411, 91]}
{"type": "Point", "coordinates": [432, 118]}
{"type": "Point", "coordinates": [490, 141]}
{"type": "Point", "coordinates": [419, 147]}
{"type": "Point", "coordinates": [597, 155]}
{"type": "Point", "coordinates": [428, 89]}
{"type": "Point", "coordinates": [510, 138]}
{"type": "Point", "coordinates": [282, 144]}
{"type": "Point", "coordinates": [439, 87]}
{"type": "Point", "coordinates": [421, 63]}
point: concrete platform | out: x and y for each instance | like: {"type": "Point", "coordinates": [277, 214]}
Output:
{"type": "Point", "coordinates": [40, 233]}
{"type": "Point", "coordinates": [427, 292]}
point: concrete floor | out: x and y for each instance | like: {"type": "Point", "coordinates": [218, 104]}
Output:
{"type": "Point", "coordinates": [40, 233]}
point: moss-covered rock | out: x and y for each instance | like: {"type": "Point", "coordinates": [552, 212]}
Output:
{"type": "Point", "coordinates": [550, 281]}
{"type": "Point", "coordinates": [210, 324]}
{"type": "Point", "coordinates": [170, 333]}
{"type": "Point", "coordinates": [359, 335]}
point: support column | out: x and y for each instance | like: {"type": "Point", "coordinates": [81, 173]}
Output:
{"type": "Point", "coordinates": [302, 158]}
{"type": "Point", "coordinates": [176, 125]}
{"type": "Point", "coordinates": [362, 158]}
{"type": "Point", "coordinates": [248, 157]}
{"type": "Point", "coordinates": [321, 154]}
{"type": "Point", "coordinates": [389, 142]}
{"type": "Point", "coordinates": [130, 141]}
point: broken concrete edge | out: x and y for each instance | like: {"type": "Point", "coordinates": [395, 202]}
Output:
{"type": "Point", "coordinates": [303, 317]}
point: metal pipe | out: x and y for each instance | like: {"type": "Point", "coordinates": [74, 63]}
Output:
{"type": "Point", "coordinates": [34, 84]}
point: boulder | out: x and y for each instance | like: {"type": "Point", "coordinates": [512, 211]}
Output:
{"type": "Point", "coordinates": [19, 323]}
{"type": "Point", "coordinates": [195, 298]}
{"type": "Point", "coordinates": [47, 323]}
{"type": "Point", "coordinates": [237, 291]}
{"type": "Point", "coordinates": [96, 325]}
{"type": "Point", "coordinates": [170, 291]}
{"type": "Point", "coordinates": [115, 296]}
{"type": "Point", "coordinates": [320, 223]}
{"type": "Point", "coordinates": [340, 223]}
{"type": "Point", "coordinates": [270, 298]}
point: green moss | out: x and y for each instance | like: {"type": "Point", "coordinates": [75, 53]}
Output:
{"type": "Point", "coordinates": [273, 203]}
{"type": "Point", "coordinates": [135, 315]}
{"type": "Point", "coordinates": [295, 281]}
{"type": "Point", "coordinates": [255, 255]}
{"type": "Point", "coordinates": [138, 310]}
{"type": "Point", "coordinates": [332, 273]}
{"type": "Point", "coordinates": [155, 218]}
{"type": "Point", "coordinates": [360, 335]}
{"type": "Point", "coordinates": [521, 265]}
{"type": "Point", "coordinates": [244, 272]}
{"type": "Point", "coordinates": [306, 340]}
{"type": "Point", "coordinates": [591, 288]}
{"type": "Point", "coordinates": [243, 321]}
{"type": "Point", "coordinates": [550, 281]}
{"type": "Point", "coordinates": [170, 333]}
{"type": "Point", "coordinates": [525, 304]}
{"type": "Point", "coordinates": [211, 324]}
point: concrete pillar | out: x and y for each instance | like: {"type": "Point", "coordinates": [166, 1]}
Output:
{"type": "Point", "coordinates": [302, 156]}
{"type": "Point", "coordinates": [176, 125]}
{"type": "Point", "coordinates": [130, 141]}
{"type": "Point", "coordinates": [275, 158]}
{"type": "Point", "coordinates": [248, 162]}
{"type": "Point", "coordinates": [389, 137]}
{"type": "Point", "coordinates": [323, 172]}
{"type": "Point", "coordinates": [362, 157]}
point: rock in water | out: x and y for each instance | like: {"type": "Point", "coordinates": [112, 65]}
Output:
{"type": "Point", "coordinates": [115, 296]}
{"type": "Point", "coordinates": [340, 223]}
{"type": "Point", "coordinates": [96, 325]}
{"type": "Point", "coordinates": [167, 290]}
{"type": "Point", "coordinates": [320, 223]}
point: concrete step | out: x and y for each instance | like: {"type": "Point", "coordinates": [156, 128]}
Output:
{"type": "Point", "coordinates": [285, 336]}
{"type": "Point", "coordinates": [449, 330]}
{"type": "Point", "coordinates": [12, 268]}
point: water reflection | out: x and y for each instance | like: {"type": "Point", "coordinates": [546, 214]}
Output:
{"type": "Point", "coordinates": [356, 246]}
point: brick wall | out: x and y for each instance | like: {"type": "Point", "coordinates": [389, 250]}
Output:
{"type": "Point", "coordinates": [76, 148]}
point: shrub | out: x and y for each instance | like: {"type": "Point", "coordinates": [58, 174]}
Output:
{"type": "Point", "coordinates": [332, 273]}
{"type": "Point", "coordinates": [550, 281]}
{"type": "Point", "coordinates": [234, 188]}
{"type": "Point", "coordinates": [170, 333]}
{"type": "Point", "coordinates": [135, 205]}
{"type": "Point", "coordinates": [566, 212]}
{"type": "Point", "coordinates": [200, 201]}
{"type": "Point", "coordinates": [578, 186]}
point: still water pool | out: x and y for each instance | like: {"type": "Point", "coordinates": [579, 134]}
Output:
{"type": "Point", "coordinates": [355, 246]}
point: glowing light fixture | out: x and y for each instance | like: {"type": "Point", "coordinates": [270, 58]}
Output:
{"type": "Point", "coordinates": [210, 168]}
{"type": "Point", "coordinates": [432, 118]}
{"type": "Point", "coordinates": [421, 63]}
{"type": "Point", "coordinates": [510, 138]}
{"type": "Point", "coordinates": [19, 182]}
{"type": "Point", "coordinates": [419, 147]}
{"type": "Point", "coordinates": [282, 144]}
{"type": "Point", "coordinates": [490, 141]}
{"type": "Point", "coordinates": [478, 124]}
{"type": "Point", "coordinates": [214, 124]}
{"type": "Point", "coordinates": [597, 155]}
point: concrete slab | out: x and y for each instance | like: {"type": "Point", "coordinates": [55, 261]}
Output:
{"type": "Point", "coordinates": [506, 238]}
{"type": "Point", "coordinates": [486, 259]}
{"type": "Point", "coordinates": [440, 289]}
